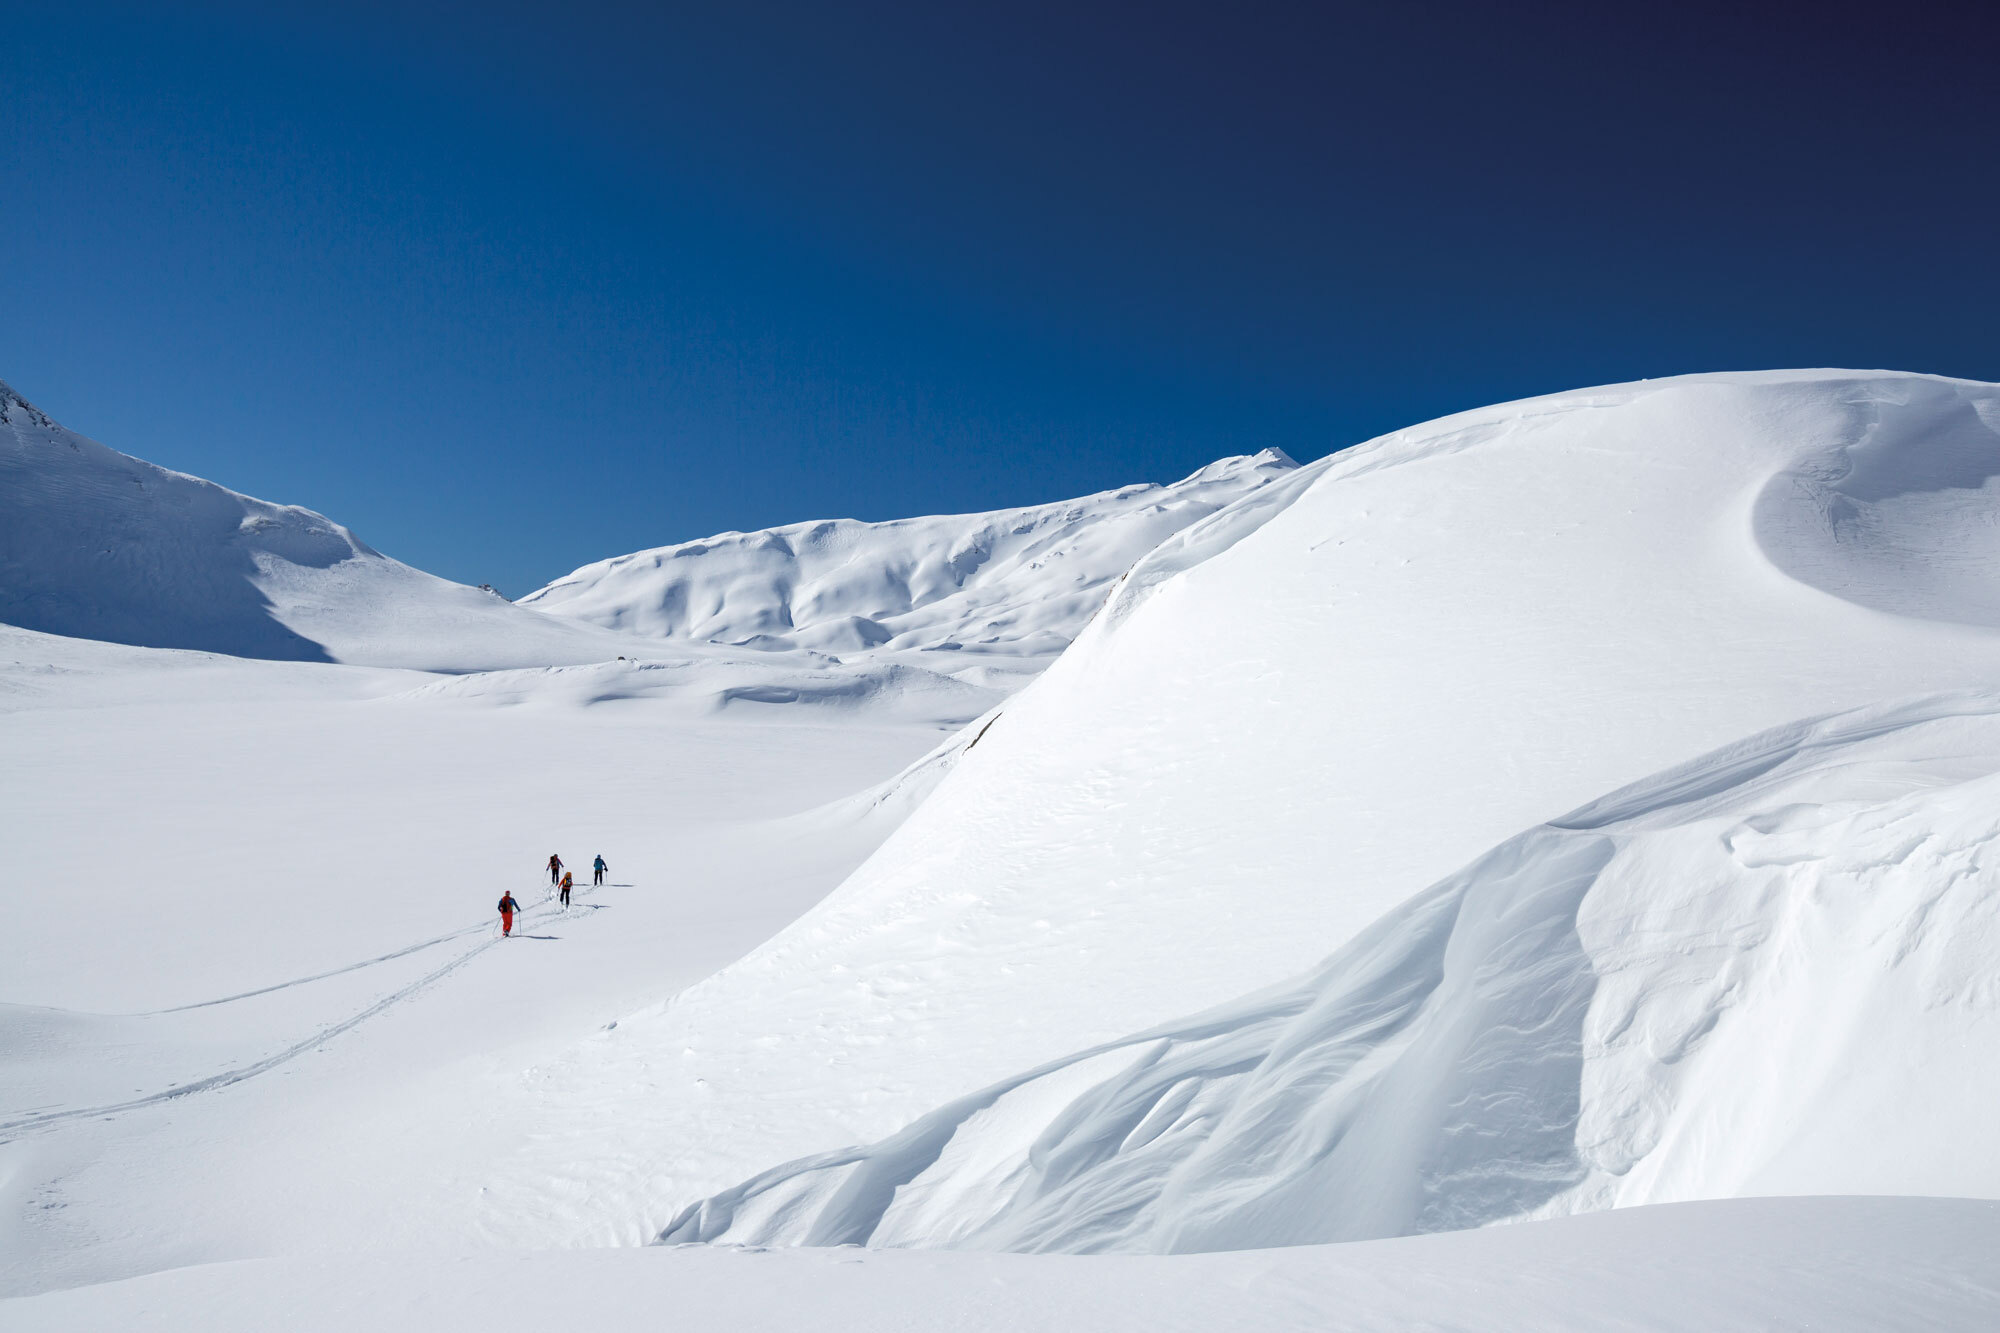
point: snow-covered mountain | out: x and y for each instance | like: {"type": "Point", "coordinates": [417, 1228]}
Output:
{"type": "Point", "coordinates": [990, 597]}
{"type": "Point", "coordinates": [95, 544]}
{"type": "Point", "coordinates": [1288, 722]}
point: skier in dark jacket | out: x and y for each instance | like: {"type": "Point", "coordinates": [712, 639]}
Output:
{"type": "Point", "coordinates": [599, 867]}
{"type": "Point", "coordinates": [507, 909]}
{"type": "Point", "coordinates": [555, 867]}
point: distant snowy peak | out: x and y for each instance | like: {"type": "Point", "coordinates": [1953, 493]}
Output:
{"type": "Point", "coordinates": [96, 544]}
{"type": "Point", "coordinates": [1007, 589]}
{"type": "Point", "coordinates": [13, 406]}
{"type": "Point", "coordinates": [1265, 462]}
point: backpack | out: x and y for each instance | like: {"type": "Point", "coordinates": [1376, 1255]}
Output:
{"type": "Point", "coordinates": [507, 903]}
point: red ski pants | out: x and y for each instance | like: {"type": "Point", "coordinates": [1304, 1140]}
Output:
{"type": "Point", "coordinates": [506, 923]}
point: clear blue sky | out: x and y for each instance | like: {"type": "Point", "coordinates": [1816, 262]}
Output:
{"type": "Point", "coordinates": [513, 287]}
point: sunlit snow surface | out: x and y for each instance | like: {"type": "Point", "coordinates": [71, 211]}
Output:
{"type": "Point", "coordinates": [1766, 972]}
{"type": "Point", "coordinates": [1290, 721]}
{"type": "Point", "coordinates": [991, 598]}
{"type": "Point", "coordinates": [1257, 918]}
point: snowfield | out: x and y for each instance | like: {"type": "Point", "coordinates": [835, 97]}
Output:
{"type": "Point", "coordinates": [1576, 814]}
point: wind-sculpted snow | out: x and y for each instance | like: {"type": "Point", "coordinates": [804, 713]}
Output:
{"type": "Point", "coordinates": [1436, 640]}
{"type": "Point", "coordinates": [98, 545]}
{"type": "Point", "coordinates": [989, 597]}
{"type": "Point", "coordinates": [1898, 512]}
{"type": "Point", "coordinates": [1730, 979]}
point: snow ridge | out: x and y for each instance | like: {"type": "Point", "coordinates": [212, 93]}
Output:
{"type": "Point", "coordinates": [1001, 592]}
{"type": "Point", "coordinates": [96, 544]}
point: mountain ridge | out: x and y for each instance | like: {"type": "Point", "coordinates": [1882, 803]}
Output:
{"type": "Point", "coordinates": [1001, 591]}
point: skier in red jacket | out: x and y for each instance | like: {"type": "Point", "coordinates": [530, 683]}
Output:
{"type": "Point", "coordinates": [507, 909]}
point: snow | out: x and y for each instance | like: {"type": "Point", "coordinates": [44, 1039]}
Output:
{"type": "Point", "coordinates": [99, 545]}
{"type": "Point", "coordinates": [1254, 919]}
{"type": "Point", "coordinates": [991, 598]}
{"type": "Point", "coordinates": [1765, 972]}
{"type": "Point", "coordinates": [1288, 721]}
{"type": "Point", "coordinates": [276, 881]}
{"type": "Point", "coordinates": [1831, 1265]}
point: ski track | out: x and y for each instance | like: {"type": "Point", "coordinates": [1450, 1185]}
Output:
{"type": "Point", "coordinates": [227, 1078]}
{"type": "Point", "coordinates": [320, 976]}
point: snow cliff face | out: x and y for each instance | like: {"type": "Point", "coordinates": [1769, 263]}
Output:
{"type": "Point", "coordinates": [1285, 723]}
{"type": "Point", "coordinates": [992, 597]}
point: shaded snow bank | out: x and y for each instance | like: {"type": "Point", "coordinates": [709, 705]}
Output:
{"type": "Point", "coordinates": [1767, 971]}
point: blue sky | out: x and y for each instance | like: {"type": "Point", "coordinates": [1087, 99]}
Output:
{"type": "Point", "coordinates": [515, 287]}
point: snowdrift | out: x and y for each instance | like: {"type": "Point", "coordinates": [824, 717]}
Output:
{"type": "Point", "coordinates": [990, 597]}
{"type": "Point", "coordinates": [1765, 972]}
{"type": "Point", "coordinates": [1285, 723]}
{"type": "Point", "coordinates": [98, 545]}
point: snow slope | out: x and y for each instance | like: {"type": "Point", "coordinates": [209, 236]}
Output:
{"type": "Point", "coordinates": [1831, 1265]}
{"type": "Point", "coordinates": [991, 597]}
{"type": "Point", "coordinates": [1769, 971]}
{"type": "Point", "coordinates": [95, 544]}
{"type": "Point", "coordinates": [1290, 719]}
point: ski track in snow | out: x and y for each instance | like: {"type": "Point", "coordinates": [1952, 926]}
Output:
{"type": "Point", "coordinates": [231, 1077]}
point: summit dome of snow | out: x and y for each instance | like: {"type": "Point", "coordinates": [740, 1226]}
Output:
{"type": "Point", "coordinates": [1003, 591]}
{"type": "Point", "coordinates": [96, 544]}
{"type": "Point", "coordinates": [1288, 721]}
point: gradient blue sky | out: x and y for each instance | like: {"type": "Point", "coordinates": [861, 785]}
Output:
{"type": "Point", "coordinates": [514, 287]}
